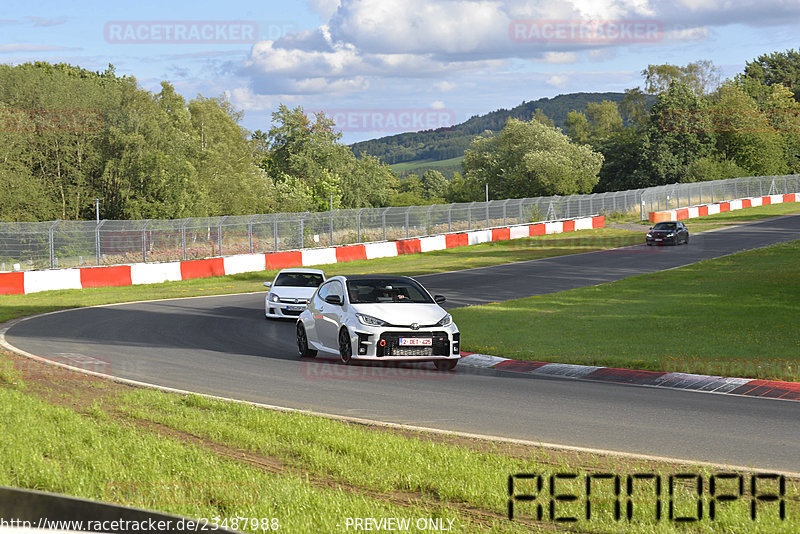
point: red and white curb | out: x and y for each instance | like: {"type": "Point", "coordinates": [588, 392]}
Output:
{"type": "Point", "coordinates": [713, 384]}
{"type": "Point", "coordinates": [720, 207]}
{"type": "Point", "coordinates": [14, 283]}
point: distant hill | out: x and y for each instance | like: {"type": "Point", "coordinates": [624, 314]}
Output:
{"type": "Point", "coordinates": [420, 150]}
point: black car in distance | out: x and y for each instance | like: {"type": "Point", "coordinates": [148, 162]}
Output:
{"type": "Point", "coordinates": [668, 233]}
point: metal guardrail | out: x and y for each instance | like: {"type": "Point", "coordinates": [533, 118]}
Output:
{"type": "Point", "coordinates": [26, 510]}
{"type": "Point", "coordinates": [59, 244]}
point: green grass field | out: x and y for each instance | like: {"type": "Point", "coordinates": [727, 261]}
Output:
{"type": "Point", "coordinates": [734, 316]}
{"type": "Point", "coordinates": [206, 458]}
{"type": "Point", "coordinates": [427, 163]}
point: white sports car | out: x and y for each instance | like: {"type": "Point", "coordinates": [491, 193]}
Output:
{"type": "Point", "coordinates": [379, 318]}
{"type": "Point", "coordinates": [290, 291]}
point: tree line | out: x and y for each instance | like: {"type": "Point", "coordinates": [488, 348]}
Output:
{"type": "Point", "coordinates": [69, 135]}
{"type": "Point", "coordinates": [683, 126]}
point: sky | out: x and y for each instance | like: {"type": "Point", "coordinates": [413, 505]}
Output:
{"type": "Point", "coordinates": [380, 67]}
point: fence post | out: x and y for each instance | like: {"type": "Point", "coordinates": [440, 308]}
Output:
{"type": "Point", "coordinates": [331, 225]}
{"type": "Point", "coordinates": [52, 247]}
{"type": "Point", "coordinates": [428, 222]}
{"type": "Point", "coordinates": [219, 233]}
{"type": "Point", "coordinates": [383, 222]}
{"type": "Point", "coordinates": [358, 225]}
{"type": "Point", "coordinates": [408, 210]}
{"type": "Point", "coordinates": [469, 216]}
{"type": "Point", "coordinates": [275, 231]}
{"type": "Point", "coordinates": [183, 237]}
{"type": "Point", "coordinates": [144, 240]}
{"type": "Point", "coordinates": [449, 218]}
{"type": "Point", "coordinates": [302, 236]}
{"type": "Point", "coordinates": [97, 239]}
{"type": "Point", "coordinates": [641, 206]}
{"type": "Point", "coordinates": [250, 232]}
{"type": "Point", "coordinates": [505, 210]}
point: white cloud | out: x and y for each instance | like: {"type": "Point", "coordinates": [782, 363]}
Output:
{"type": "Point", "coordinates": [557, 80]}
{"type": "Point", "coordinates": [558, 57]}
{"type": "Point", "coordinates": [39, 21]}
{"type": "Point", "coordinates": [437, 104]}
{"type": "Point", "coordinates": [324, 8]}
{"type": "Point", "coordinates": [244, 98]}
{"type": "Point", "coordinates": [367, 40]}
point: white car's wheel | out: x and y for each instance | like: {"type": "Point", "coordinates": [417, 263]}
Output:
{"type": "Point", "coordinates": [345, 347]}
{"type": "Point", "coordinates": [302, 342]}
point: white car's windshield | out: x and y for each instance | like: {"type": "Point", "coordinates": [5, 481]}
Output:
{"type": "Point", "coordinates": [298, 280]}
{"type": "Point", "coordinates": [377, 290]}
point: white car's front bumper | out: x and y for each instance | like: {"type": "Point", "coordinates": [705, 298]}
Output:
{"type": "Point", "coordinates": [283, 310]}
{"type": "Point", "coordinates": [384, 343]}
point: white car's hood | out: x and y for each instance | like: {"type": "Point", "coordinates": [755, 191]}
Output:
{"type": "Point", "coordinates": [402, 314]}
{"type": "Point", "coordinates": [293, 292]}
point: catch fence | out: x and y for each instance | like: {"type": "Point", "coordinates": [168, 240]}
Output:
{"type": "Point", "coordinates": [60, 244]}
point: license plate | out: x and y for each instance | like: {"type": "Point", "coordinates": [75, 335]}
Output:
{"type": "Point", "coordinates": [415, 342]}
{"type": "Point", "coordinates": [297, 308]}
{"type": "Point", "coordinates": [659, 239]}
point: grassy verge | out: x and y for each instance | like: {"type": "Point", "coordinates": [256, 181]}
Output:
{"type": "Point", "coordinates": [494, 253]}
{"type": "Point", "coordinates": [204, 458]}
{"type": "Point", "coordinates": [733, 316]}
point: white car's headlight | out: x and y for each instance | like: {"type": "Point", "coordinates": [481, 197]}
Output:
{"type": "Point", "coordinates": [446, 320]}
{"type": "Point", "coordinates": [649, 234]}
{"type": "Point", "coordinates": [370, 320]}
{"type": "Point", "coordinates": [274, 298]}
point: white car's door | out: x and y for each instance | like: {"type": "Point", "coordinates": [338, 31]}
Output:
{"type": "Point", "coordinates": [330, 316]}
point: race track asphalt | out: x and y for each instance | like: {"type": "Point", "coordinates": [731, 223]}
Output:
{"type": "Point", "coordinates": [223, 346]}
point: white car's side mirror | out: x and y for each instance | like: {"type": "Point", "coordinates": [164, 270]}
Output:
{"type": "Point", "coordinates": [267, 284]}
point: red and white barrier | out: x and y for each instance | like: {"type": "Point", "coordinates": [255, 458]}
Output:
{"type": "Point", "coordinates": [154, 273]}
{"type": "Point", "coordinates": [720, 207]}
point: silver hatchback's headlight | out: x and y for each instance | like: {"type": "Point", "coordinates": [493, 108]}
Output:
{"type": "Point", "coordinates": [274, 298]}
{"type": "Point", "coordinates": [370, 320]}
{"type": "Point", "coordinates": [445, 321]}
{"type": "Point", "coordinates": [671, 234]}
{"type": "Point", "coordinates": [649, 234]}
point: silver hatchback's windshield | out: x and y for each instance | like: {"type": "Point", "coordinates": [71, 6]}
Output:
{"type": "Point", "coordinates": [377, 290]}
{"type": "Point", "coordinates": [298, 280]}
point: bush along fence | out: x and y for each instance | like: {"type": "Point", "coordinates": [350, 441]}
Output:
{"type": "Point", "coordinates": [62, 244]}
{"type": "Point", "coordinates": [152, 273]}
